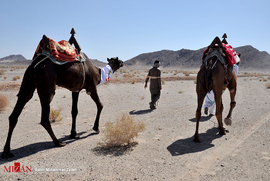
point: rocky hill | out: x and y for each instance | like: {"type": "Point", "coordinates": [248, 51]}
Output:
{"type": "Point", "coordinates": [251, 58]}
{"type": "Point", "coordinates": [19, 60]}
{"type": "Point", "coordinates": [12, 58]}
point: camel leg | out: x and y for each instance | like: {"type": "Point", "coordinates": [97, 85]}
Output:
{"type": "Point", "coordinates": [74, 112]}
{"type": "Point", "coordinates": [200, 98]}
{"type": "Point", "coordinates": [13, 118]}
{"type": "Point", "coordinates": [95, 97]}
{"type": "Point", "coordinates": [45, 100]}
{"type": "Point", "coordinates": [232, 89]}
{"type": "Point", "coordinates": [219, 109]}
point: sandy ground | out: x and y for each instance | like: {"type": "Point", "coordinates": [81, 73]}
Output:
{"type": "Point", "coordinates": [165, 150]}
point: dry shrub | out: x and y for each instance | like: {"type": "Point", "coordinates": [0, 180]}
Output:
{"type": "Point", "coordinates": [16, 77]}
{"type": "Point", "coordinates": [133, 81]}
{"type": "Point", "coordinates": [122, 132]}
{"type": "Point", "coordinates": [2, 72]}
{"type": "Point", "coordinates": [267, 85]}
{"type": "Point", "coordinates": [129, 75]}
{"type": "Point", "coordinates": [162, 81]}
{"type": "Point", "coordinates": [3, 102]}
{"type": "Point", "coordinates": [55, 115]}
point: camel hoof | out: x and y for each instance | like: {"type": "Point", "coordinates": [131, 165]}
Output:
{"type": "Point", "coordinates": [7, 155]}
{"type": "Point", "coordinates": [197, 139]}
{"type": "Point", "coordinates": [60, 144]}
{"type": "Point", "coordinates": [96, 130]}
{"type": "Point", "coordinates": [222, 132]}
{"type": "Point", "coordinates": [228, 121]}
{"type": "Point", "coordinates": [74, 136]}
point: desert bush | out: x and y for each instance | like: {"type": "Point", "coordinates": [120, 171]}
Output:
{"type": "Point", "coordinates": [55, 115]}
{"type": "Point", "coordinates": [133, 81]}
{"type": "Point", "coordinates": [122, 132]}
{"type": "Point", "coordinates": [162, 81]}
{"type": "Point", "coordinates": [16, 78]}
{"type": "Point", "coordinates": [3, 102]}
{"type": "Point", "coordinates": [186, 73]}
{"type": "Point", "coordinates": [2, 72]}
{"type": "Point", "coordinates": [267, 85]}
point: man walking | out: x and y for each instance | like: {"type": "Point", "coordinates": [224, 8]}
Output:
{"type": "Point", "coordinates": [155, 84]}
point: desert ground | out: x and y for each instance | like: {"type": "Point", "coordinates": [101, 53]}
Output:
{"type": "Point", "coordinates": [164, 150]}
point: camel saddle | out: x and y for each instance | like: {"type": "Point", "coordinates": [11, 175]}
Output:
{"type": "Point", "coordinates": [60, 52]}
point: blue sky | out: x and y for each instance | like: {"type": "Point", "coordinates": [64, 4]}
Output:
{"type": "Point", "coordinates": [127, 28]}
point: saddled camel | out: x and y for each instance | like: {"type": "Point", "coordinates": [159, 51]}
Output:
{"type": "Point", "coordinates": [212, 76]}
{"type": "Point", "coordinates": [44, 75]}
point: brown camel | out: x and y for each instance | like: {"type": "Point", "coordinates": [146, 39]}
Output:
{"type": "Point", "coordinates": [212, 77]}
{"type": "Point", "coordinates": [44, 75]}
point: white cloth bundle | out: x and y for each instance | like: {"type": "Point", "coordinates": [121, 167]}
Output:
{"type": "Point", "coordinates": [106, 73]}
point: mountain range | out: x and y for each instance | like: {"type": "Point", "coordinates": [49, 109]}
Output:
{"type": "Point", "coordinates": [251, 59]}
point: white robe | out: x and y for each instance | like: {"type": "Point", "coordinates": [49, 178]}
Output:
{"type": "Point", "coordinates": [106, 73]}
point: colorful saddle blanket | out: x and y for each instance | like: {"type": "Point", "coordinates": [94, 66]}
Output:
{"type": "Point", "coordinates": [62, 51]}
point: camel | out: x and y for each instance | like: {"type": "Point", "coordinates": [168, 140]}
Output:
{"type": "Point", "coordinates": [212, 76]}
{"type": "Point", "coordinates": [44, 75]}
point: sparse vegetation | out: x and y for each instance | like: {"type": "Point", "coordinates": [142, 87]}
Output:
{"type": "Point", "coordinates": [16, 78]}
{"type": "Point", "coordinates": [3, 102]}
{"type": "Point", "coordinates": [180, 92]}
{"type": "Point", "coordinates": [122, 132]}
{"type": "Point", "coordinates": [55, 115]}
{"type": "Point", "coordinates": [2, 72]}
{"type": "Point", "coordinates": [133, 81]}
{"type": "Point", "coordinates": [162, 81]}
{"type": "Point", "coordinates": [267, 85]}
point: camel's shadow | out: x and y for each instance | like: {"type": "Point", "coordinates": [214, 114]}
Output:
{"type": "Point", "coordinates": [186, 146]}
{"type": "Point", "coordinates": [140, 112]}
{"type": "Point", "coordinates": [37, 147]}
{"type": "Point", "coordinates": [203, 118]}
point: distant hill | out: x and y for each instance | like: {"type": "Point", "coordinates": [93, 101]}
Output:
{"type": "Point", "coordinates": [251, 58]}
{"type": "Point", "coordinates": [19, 60]}
{"type": "Point", "coordinates": [12, 58]}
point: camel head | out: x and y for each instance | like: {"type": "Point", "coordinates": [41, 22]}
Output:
{"type": "Point", "coordinates": [115, 63]}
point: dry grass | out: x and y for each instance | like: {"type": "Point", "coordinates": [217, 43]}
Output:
{"type": "Point", "coordinates": [16, 78]}
{"type": "Point", "coordinates": [267, 85]}
{"type": "Point", "coordinates": [162, 81]}
{"type": "Point", "coordinates": [2, 72]}
{"type": "Point", "coordinates": [122, 132]}
{"type": "Point", "coordinates": [55, 115]}
{"type": "Point", "coordinates": [3, 102]}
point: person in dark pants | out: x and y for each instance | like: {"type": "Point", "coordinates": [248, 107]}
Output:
{"type": "Point", "coordinates": [155, 84]}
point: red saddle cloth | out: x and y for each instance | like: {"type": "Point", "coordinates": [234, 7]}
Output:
{"type": "Point", "coordinates": [229, 51]}
{"type": "Point", "coordinates": [61, 50]}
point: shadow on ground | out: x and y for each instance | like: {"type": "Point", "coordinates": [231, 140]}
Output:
{"type": "Point", "coordinates": [114, 151]}
{"type": "Point", "coordinates": [37, 147]}
{"type": "Point", "coordinates": [140, 112]}
{"type": "Point", "coordinates": [186, 146]}
{"type": "Point", "coordinates": [203, 118]}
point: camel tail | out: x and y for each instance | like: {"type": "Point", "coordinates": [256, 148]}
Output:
{"type": "Point", "coordinates": [27, 82]}
{"type": "Point", "coordinates": [208, 77]}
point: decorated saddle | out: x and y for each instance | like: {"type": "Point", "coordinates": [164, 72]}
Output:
{"type": "Point", "coordinates": [59, 52]}
{"type": "Point", "coordinates": [230, 54]}
{"type": "Point", "coordinates": [222, 50]}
